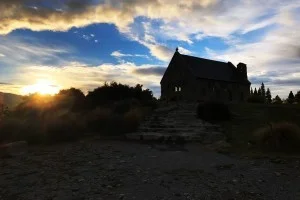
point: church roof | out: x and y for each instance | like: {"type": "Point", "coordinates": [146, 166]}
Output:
{"type": "Point", "coordinates": [211, 69]}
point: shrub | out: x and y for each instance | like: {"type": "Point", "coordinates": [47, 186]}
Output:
{"type": "Point", "coordinates": [132, 120]}
{"type": "Point", "coordinates": [256, 99]}
{"type": "Point", "coordinates": [213, 111]}
{"type": "Point", "coordinates": [282, 136]}
{"type": "Point", "coordinates": [99, 119]}
{"type": "Point", "coordinates": [66, 127]}
{"type": "Point", "coordinates": [13, 129]}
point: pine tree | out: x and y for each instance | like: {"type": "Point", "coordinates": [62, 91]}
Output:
{"type": "Point", "coordinates": [297, 97]}
{"type": "Point", "coordinates": [277, 100]}
{"type": "Point", "coordinates": [268, 96]}
{"type": "Point", "coordinates": [255, 92]}
{"type": "Point", "coordinates": [251, 91]}
{"type": "Point", "coordinates": [291, 98]}
{"type": "Point", "coordinates": [263, 91]}
{"type": "Point", "coordinates": [259, 92]}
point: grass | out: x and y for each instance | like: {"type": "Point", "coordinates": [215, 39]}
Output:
{"type": "Point", "coordinates": [248, 118]}
{"type": "Point", "coordinates": [281, 137]}
{"type": "Point", "coordinates": [62, 126]}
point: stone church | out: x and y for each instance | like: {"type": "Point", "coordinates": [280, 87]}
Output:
{"type": "Point", "coordinates": [197, 79]}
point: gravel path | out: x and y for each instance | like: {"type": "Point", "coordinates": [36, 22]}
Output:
{"type": "Point", "coordinates": [124, 170]}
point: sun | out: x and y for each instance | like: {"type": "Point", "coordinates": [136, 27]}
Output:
{"type": "Point", "coordinates": [43, 87]}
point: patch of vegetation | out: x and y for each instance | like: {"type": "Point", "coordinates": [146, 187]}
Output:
{"type": "Point", "coordinates": [248, 118]}
{"type": "Point", "coordinates": [213, 111]}
{"type": "Point", "coordinates": [283, 137]}
{"type": "Point", "coordinates": [112, 109]}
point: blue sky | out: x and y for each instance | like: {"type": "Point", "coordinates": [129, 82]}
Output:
{"type": "Point", "coordinates": [82, 44]}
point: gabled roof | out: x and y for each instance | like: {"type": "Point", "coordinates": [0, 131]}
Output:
{"type": "Point", "coordinates": [211, 69]}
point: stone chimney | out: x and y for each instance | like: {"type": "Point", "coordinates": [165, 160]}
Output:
{"type": "Point", "coordinates": [242, 69]}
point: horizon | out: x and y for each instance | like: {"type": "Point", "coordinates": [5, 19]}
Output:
{"type": "Point", "coordinates": [46, 47]}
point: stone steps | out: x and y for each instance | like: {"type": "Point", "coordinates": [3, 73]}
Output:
{"type": "Point", "coordinates": [175, 122]}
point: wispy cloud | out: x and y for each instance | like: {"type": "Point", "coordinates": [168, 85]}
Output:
{"type": "Point", "coordinates": [118, 54]}
{"type": "Point", "coordinates": [19, 52]}
{"type": "Point", "coordinates": [274, 60]}
{"type": "Point", "coordinates": [88, 77]}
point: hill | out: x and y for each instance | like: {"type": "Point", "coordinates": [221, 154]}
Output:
{"type": "Point", "coordinates": [10, 100]}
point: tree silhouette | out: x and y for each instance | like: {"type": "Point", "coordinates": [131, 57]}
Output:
{"type": "Point", "coordinates": [277, 100]}
{"type": "Point", "coordinates": [259, 92]}
{"type": "Point", "coordinates": [263, 91]}
{"type": "Point", "coordinates": [109, 93]}
{"type": "Point", "coordinates": [251, 91]}
{"type": "Point", "coordinates": [268, 96]}
{"type": "Point", "coordinates": [255, 92]}
{"type": "Point", "coordinates": [291, 98]}
{"type": "Point", "coordinates": [297, 97]}
{"type": "Point", "coordinates": [72, 99]}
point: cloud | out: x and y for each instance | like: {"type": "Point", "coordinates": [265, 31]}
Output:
{"type": "Point", "coordinates": [275, 59]}
{"type": "Point", "coordinates": [161, 21]}
{"type": "Point", "coordinates": [197, 17]}
{"type": "Point", "coordinates": [160, 51]}
{"type": "Point", "coordinates": [3, 83]}
{"type": "Point", "coordinates": [118, 54]}
{"type": "Point", "coordinates": [19, 52]}
{"type": "Point", "coordinates": [61, 16]}
{"type": "Point", "coordinates": [86, 77]}
{"type": "Point", "coordinates": [150, 71]}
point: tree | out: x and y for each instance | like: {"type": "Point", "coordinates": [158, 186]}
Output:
{"type": "Point", "coordinates": [297, 97]}
{"type": "Point", "coordinates": [70, 98]}
{"type": "Point", "coordinates": [277, 100]}
{"type": "Point", "coordinates": [259, 92]}
{"type": "Point", "coordinates": [251, 91]}
{"type": "Point", "coordinates": [263, 91]}
{"type": "Point", "coordinates": [268, 96]}
{"type": "Point", "coordinates": [291, 98]}
{"type": "Point", "coordinates": [255, 92]}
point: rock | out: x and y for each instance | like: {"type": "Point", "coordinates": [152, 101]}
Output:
{"type": "Point", "coordinates": [109, 187]}
{"type": "Point", "coordinates": [220, 146]}
{"type": "Point", "coordinates": [121, 196]}
{"type": "Point", "coordinates": [13, 149]}
{"type": "Point", "coordinates": [277, 173]}
{"type": "Point", "coordinates": [234, 181]}
{"type": "Point", "coordinates": [177, 194]}
{"type": "Point", "coordinates": [276, 161]}
{"type": "Point", "coordinates": [80, 180]}
{"type": "Point", "coordinates": [224, 167]}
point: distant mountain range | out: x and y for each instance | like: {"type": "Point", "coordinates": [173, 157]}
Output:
{"type": "Point", "coordinates": [10, 100]}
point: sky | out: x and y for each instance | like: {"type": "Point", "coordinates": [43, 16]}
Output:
{"type": "Point", "coordinates": [58, 44]}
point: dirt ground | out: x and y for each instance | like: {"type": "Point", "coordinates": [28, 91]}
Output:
{"type": "Point", "coordinates": [106, 170]}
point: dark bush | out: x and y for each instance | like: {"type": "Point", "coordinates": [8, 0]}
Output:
{"type": "Point", "coordinates": [114, 92]}
{"type": "Point", "coordinates": [256, 99]}
{"type": "Point", "coordinates": [213, 111]}
{"type": "Point", "coordinates": [284, 137]}
{"type": "Point", "coordinates": [112, 109]}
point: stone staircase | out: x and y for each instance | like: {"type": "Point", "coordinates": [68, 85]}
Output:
{"type": "Point", "coordinates": [175, 122]}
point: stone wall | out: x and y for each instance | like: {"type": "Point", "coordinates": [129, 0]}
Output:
{"type": "Point", "coordinates": [220, 90]}
{"type": "Point", "coordinates": [203, 89]}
